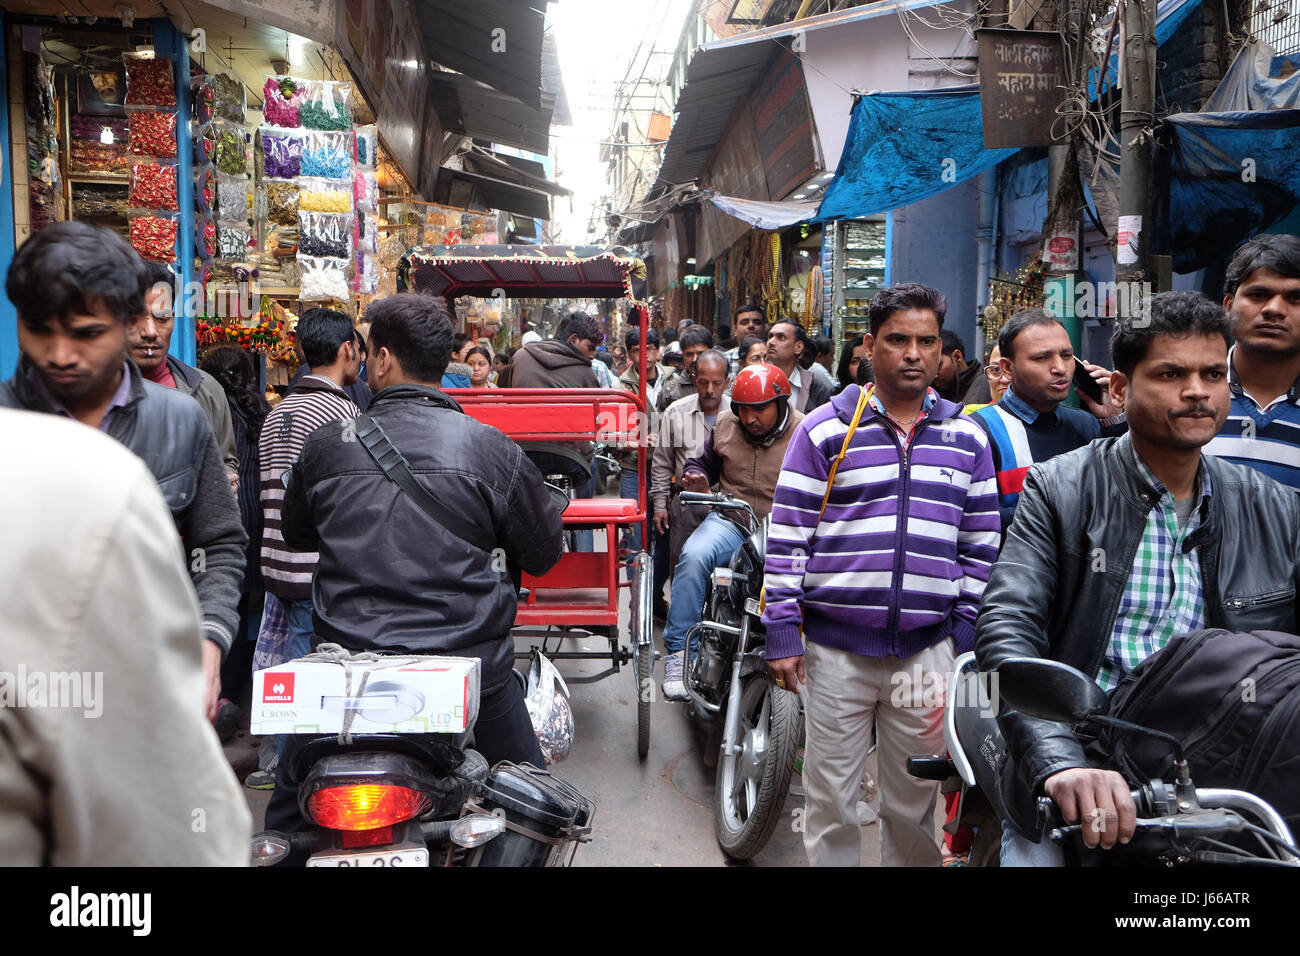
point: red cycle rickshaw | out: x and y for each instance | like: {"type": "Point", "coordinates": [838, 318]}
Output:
{"type": "Point", "coordinates": [580, 596]}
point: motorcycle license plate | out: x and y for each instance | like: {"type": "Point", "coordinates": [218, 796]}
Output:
{"type": "Point", "coordinates": [392, 856]}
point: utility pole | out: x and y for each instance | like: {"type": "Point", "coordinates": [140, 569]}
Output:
{"type": "Point", "coordinates": [1137, 120]}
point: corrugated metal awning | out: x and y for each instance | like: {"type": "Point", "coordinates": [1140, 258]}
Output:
{"type": "Point", "coordinates": [470, 108]}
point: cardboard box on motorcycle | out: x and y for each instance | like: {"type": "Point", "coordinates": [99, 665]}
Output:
{"type": "Point", "coordinates": [411, 695]}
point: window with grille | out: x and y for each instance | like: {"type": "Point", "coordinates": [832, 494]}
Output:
{"type": "Point", "coordinates": [1277, 23]}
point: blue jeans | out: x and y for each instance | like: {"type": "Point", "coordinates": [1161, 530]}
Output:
{"type": "Point", "coordinates": [299, 643]}
{"type": "Point", "coordinates": [709, 546]}
{"type": "Point", "coordinates": [1017, 851]}
{"type": "Point", "coordinates": [627, 488]}
{"type": "Point", "coordinates": [585, 537]}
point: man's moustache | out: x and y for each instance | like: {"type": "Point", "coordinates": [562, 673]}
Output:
{"type": "Point", "coordinates": [1198, 410]}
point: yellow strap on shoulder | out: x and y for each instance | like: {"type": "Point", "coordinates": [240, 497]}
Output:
{"type": "Point", "coordinates": [863, 399]}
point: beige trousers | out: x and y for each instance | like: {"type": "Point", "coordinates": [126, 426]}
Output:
{"type": "Point", "coordinates": [845, 694]}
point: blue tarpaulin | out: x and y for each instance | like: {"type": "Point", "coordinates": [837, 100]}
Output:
{"type": "Point", "coordinates": [1170, 15]}
{"type": "Point", "coordinates": [905, 147]}
{"type": "Point", "coordinates": [1231, 175]}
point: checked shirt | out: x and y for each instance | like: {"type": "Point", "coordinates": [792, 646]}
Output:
{"type": "Point", "coordinates": [1163, 596]}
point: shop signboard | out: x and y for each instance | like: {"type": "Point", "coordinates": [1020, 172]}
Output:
{"type": "Point", "coordinates": [1021, 84]}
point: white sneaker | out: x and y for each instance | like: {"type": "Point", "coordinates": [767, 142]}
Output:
{"type": "Point", "coordinates": [674, 686]}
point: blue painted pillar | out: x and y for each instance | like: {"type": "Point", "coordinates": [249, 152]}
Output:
{"type": "Point", "coordinates": [171, 43]}
{"type": "Point", "coordinates": [8, 314]}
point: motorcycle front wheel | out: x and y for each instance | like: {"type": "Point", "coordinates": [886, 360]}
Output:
{"type": "Point", "coordinates": [750, 786]}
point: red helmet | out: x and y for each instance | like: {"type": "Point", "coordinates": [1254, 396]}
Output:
{"type": "Point", "coordinates": [758, 385]}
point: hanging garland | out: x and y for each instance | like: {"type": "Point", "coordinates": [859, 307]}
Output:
{"type": "Point", "coordinates": [1010, 294]}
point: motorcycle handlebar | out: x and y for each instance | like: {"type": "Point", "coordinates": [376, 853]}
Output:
{"type": "Point", "coordinates": [720, 501]}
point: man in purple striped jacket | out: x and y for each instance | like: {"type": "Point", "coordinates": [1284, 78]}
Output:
{"type": "Point", "coordinates": [882, 575]}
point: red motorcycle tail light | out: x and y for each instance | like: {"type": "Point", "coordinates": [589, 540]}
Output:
{"type": "Point", "coordinates": [365, 806]}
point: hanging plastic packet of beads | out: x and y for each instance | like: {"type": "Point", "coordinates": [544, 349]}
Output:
{"type": "Point", "coordinates": [152, 133]}
{"type": "Point", "coordinates": [230, 152]}
{"type": "Point", "coordinates": [219, 97]}
{"type": "Point", "coordinates": [154, 237]}
{"type": "Point", "coordinates": [260, 207]}
{"type": "Point", "coordinates": [281, 202]}
{"type": "Point", "coordinates": [153, 186]}
{"type": "Point", "coordinates": [232, 199]}
{"type": "Point", "coordinates": [368, 276]}
{"type": "Point", "coordinates": [150, 80]}
{"type": "Point", "coordinates": [328, 155]}
{"type": "Point", "coordinates": [205, 144]}
{"type": "Point", "coordinates": [205, 189]}
{"type": "Point", "coordinates": [326, 106]}
{"type": "Point", "coordinates": [233, 243]}
{"type": "Point", "coordinates": [205, 237]}
{"type": "Point", "coordinates": [367, 148]}
{"type": "Point", "coordinates": [367, 233]}
{"type": "Point", "coordinates": [281, 153]}
{"type": "Point", "coordinates": [365, 189]}
{"type": "Point", "coordinates": [317, 194]}
{"type": "Point", "coordinates": [322, 278]}
{"type": "Point", "coordinates": [283, 96]}
{"type": "Point", "coordinates": [325, 234]}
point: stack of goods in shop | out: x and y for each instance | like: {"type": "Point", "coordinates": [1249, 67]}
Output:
{"type": "Point", "coordinates": [316, 194]}
{"type": "Point", "coordinates": [365, 197]}
{"type": "Point", "coordinates": [152, 197]}
{"type": "Point", "coordinates": [89, 153]}
{"type": "Point", "coordinates": [43, 183]}
{"type": "Point", "coordinates": [222, 186]}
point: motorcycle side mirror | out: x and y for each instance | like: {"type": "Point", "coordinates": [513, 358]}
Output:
{"type": "Point", "coordinates": [559, 497]}
{"type": "Point", "coordinates": [1049, 690]}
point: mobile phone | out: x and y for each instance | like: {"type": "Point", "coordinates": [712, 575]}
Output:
{"type": "Point", "coordinates": [1085, 383]}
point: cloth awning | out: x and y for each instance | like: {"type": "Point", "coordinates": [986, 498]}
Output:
{"type": "Point", "coordinates": [905, 147]}
{"type": "Point", "coordinates": [1231, 175]}
{"type": "Point", "coordinates": [765, 215]}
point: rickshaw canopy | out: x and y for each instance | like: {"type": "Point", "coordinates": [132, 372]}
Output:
{"type": "Point", "coordinates": [524, 272]}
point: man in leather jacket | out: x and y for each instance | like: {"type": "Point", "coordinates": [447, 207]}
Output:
{"type": "Point", "coordinates": [1125, 542]}
{"type": "Point", "coordinates": [390, 578]}
{"type": "Point", "coordinates": [76, 288]}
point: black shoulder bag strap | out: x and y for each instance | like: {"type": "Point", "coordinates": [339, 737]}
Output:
{"type": "Point", "coordinates": [398, 470]}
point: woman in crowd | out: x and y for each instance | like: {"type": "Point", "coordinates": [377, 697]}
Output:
{"type": "Point", "coordinates": [480, 367]}
{"type": "Point", "coordinates": [854, 354]}
{"type": "Point", "coordinates": [457, 373]}
{"type": "Point", "coordinates": [752, 351]}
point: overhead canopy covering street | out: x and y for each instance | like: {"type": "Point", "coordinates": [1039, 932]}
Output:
{"type": "Point", "coordinates": [905, 147]}
{"type": "Point", "coordinates": [493, 181]}
{"type": "Point", "coordinates": [496, 41]}
{"type": "Point", "coordinates": [524, 272]}
{"type": "Point", "coordinates": [470, 108]}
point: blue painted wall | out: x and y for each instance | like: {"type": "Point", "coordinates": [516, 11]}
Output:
{"type": "Point", "coordinates": [8, 315]}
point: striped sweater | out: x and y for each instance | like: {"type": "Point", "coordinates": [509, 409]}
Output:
{"type": "Point", "coordinates": [1265, 437]}
{"type": "Point", "coordinates": [900, 558]}
{"type": "Point", "coordinates": [314, 402]}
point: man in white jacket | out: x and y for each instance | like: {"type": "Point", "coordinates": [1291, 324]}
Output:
{"type": "Point", "coordinates": [100, 669]}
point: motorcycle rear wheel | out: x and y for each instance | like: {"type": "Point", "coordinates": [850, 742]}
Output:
{"type": "Point", "coordinates": [750, 787]}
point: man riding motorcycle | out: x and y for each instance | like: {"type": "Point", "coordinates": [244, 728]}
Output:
{"type": "Point", "coordinates": [392, 579]}
{"type": "Point", "coordinates": [743, 455]}
{"type": "Point", "coordinates": [1125, 542]}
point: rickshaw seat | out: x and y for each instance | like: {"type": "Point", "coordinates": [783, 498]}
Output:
{"type": "Point", "coordinates": [602, 511]}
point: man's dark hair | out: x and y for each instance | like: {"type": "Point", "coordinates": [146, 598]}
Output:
{"type": "Point", "coordinates": [1280, 253]}
{"type": "Point", "coordinates": [155, 273]}
{"type": "Point", "coordinates": [724, 332]}
{"type": "Point", "coordinates": [952, 342]}
{"type": "Point", "coordinates": [900, 298]}
{"type": "Point", "coordinates": [582, 325]}
{"type": "Point", "coordinates": [670, 335]}
{"type": "Point", "coordinates": [72, 267]}
{"type": "Point", "coordinates": [605, 358]}
{"type": "Point", "coordinates": [821, 345]}
{"type": "Point", "coordinates": [1175, 314]}
{"type": "Point", "coordinates": [632, 340]}
{"type": "Point", "coordinates": [416, 330]}
{"type": "Point", "coordinates": [749, 307]}
{"type": "Point", "coordinates": [696, 335]}
{"type": "Point", "coordinates": [1017, 324]}
{"type": "Point", "coordinates": [321, 332]}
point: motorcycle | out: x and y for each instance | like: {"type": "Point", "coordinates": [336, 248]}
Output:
{"type": "Point", "coordinates": [1178, 823]}
{"type": "Point", "coordinates": [756, 727]}
{"type": "Point", "coordinates": [390, 799]}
